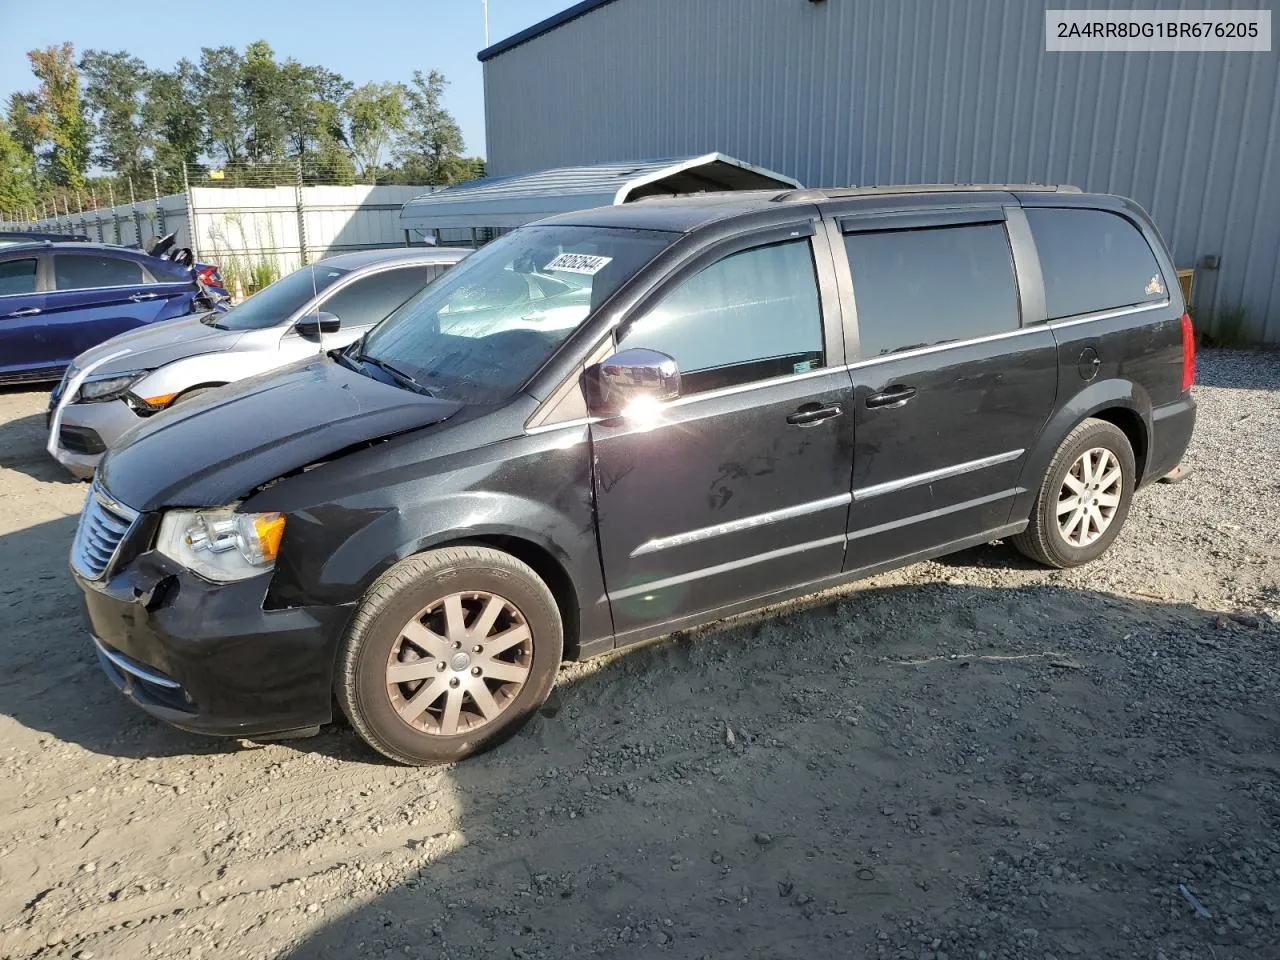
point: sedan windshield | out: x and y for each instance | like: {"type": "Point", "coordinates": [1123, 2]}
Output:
{"type": "Point", "coordinates": [481, 330]}
{"type": "Point", "coordinates": [279, 301]}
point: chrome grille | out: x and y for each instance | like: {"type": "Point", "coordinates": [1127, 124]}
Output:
{"type": "Point", "coordinates": [103, 525]}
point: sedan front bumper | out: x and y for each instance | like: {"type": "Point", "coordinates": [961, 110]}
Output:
{"type": "Point", "coordinates": [86, 431]}
{"type": "Point", "coordinates": [207, 657]}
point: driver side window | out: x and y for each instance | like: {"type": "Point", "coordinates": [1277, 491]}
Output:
{"type": "Point", "coordinates": [752, 316]}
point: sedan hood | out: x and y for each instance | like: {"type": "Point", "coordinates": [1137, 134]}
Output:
{"type": "Point", "coordinates": [156, 344]}
{"type": "Point", "coordinates": [217, 448]}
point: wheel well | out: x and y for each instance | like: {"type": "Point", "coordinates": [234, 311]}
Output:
{"type": "Point", "coordinates": [1134, 429]}
{"type": "Point", "coordinates": [545, 566]}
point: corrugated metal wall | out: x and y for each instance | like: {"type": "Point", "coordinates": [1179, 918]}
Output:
{"type": "Point", "coordinates": [874, 92]}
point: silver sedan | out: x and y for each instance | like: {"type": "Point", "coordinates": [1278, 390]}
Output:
{"type": "Point", "coordinates": [320, 307]}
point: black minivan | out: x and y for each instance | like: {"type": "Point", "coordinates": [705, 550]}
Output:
{"type": "Point", "coordinates": [616, 423]}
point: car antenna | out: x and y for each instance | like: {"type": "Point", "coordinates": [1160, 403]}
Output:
{"type": "Point", "coordinates": [315, 294]}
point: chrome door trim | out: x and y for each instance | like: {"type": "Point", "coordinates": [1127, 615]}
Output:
{"type": "Point", "coordinates": [942, 473]}
{"type": "Point", "coordinates": [1109, 314]}
{"type": "Point", "coordinates": [745, 523]}
{"type": "Point", "coordinates": [934, 514]}
{"type": "Point", "coordinates": [871, 361]}
{"type": "Point", "coordinates": [651, 585]}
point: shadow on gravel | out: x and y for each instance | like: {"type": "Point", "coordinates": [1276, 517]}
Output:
{"type": "Point", "coordinates": [49, 675]}
{"type": "Point", "coordinates": [919, 771]}
{"type": "Point", "coordinates": [22, 447]}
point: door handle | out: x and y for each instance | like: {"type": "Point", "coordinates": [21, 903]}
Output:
{"type": "Point", "coordinates": [894, 396]}
{"type": "Point", "coordinates": [812, 413]}
{"type": "Point", "coordinates": [25, 312]}
{"type": "Point", "coordinates": [139, 297]}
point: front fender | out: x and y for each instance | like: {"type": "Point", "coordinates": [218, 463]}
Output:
{"type": "Point", "coordinates": [1091, 399]}
{"type": "Point", "coordinates": [202, 369]}
{"type": "Point", "coordinates": [360, 519]}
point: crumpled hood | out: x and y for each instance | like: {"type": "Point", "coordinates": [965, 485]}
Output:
{"type": "Point", "coordinates": [216, 448]}
{"type": "Point", "coordinates": [155, 344]}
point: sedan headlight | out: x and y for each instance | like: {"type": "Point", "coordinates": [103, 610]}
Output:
{"type": "Point", "coordinates": [221, 544]}
{"type": "Point", "coordinates": [107, 388]}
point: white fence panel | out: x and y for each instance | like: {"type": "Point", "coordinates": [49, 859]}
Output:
{"type": "Point", "coordinates": [252, 232]}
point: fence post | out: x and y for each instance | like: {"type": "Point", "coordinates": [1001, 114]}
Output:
{"type": "Point", "coordinates": [302, 217]}
{"type": "Point", "coordinates": [137, 216]}
{"type": "Point", "coordinates": [191, 215]}
{"type": "Point", "coordinates": [155, 189]}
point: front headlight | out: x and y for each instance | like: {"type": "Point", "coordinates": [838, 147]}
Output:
{"type": "Point", "coordinates": [107, 388]}
{"type": "Point", "coordinates": [221, 544]}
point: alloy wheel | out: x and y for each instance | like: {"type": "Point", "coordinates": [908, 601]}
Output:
{"type": "Point", "coordinates": [459, 663]}
{"type": "Point", "coordinates": [1089, 496]}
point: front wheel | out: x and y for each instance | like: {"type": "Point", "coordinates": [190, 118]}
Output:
{"type": "Point", "coordinates": [449, 653]}
{"type": "Point", "coordinates": [1084, 498]}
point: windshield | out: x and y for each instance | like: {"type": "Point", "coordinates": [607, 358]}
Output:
{"type": "Point", "coordinates": [481, 330]}
{"type": "Point", "coordinates": [275, 303]}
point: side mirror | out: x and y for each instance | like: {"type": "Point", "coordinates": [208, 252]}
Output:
{"type": "Point", "coordinates": [314, 324]}
{"type": "Point", "coordinates": [632, 380]}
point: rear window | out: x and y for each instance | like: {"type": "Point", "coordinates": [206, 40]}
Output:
{"type": "Point", "coordinates": [81, 271]}
{"type": "Point", "coordinates": [1093, 261]}
{"type": "Point", "coordinates": [918, 288]}
{"type": "Point", "coordinates": [17, 276]}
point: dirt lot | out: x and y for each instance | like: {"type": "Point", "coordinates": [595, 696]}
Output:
{"type": "Point", "coordinates": [972, 758]}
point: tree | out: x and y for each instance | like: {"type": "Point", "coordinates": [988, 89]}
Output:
{"type": "Point", "coordinates": [261, 94]}
{"type": "Point", "coordinates": [431, 143]}
{"type": "Point", "coordinates": [217, 88]}
{"type": "Point", "coordinates": [115, 87]}
{"type": "Point", "coordinates": [172, 112]}
{"type": "Point", "coordinates": [376, 113]}
{"type": "Point", "coordinates": [17, 174]}
{"type": "Point", "coordinates": [60, 120]}
{"type": "Point", "coordinates": [310, 98]}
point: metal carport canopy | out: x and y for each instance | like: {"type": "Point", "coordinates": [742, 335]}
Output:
{"type": "Point", "coordinates": [515, 200]}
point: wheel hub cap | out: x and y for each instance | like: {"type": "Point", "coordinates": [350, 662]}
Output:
{"type": "Point", "coordinates": [459, 663]}
{"type": "Point", "coordinates": [1089, 497]}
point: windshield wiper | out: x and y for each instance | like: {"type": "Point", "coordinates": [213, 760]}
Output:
{"type": "Point", "coordinates": [403, 377]}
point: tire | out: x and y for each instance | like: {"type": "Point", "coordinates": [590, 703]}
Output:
{"type": "Point", "coordinates": [1044, 540]}
{"type": "Point", "coordinates": [415, 722]}
{"type": "Point", "coordinates": [192, 394]}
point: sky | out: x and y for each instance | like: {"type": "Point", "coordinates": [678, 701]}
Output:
{"type": "Point", "coordinates": [388, 44]}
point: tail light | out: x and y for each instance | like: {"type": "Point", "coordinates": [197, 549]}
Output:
{"type": "Point", "coordinates": [1188, 353]}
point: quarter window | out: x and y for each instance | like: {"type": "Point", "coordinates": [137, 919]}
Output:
{"type": "Point", "coordinates": [751, 316]}
{"type": "Point", "coordinates": [369, 299]}
{"type": "Point", "coordinates": [918, 288]}
{"type": "Point", "coordinates": [83, 271]}
{"type": "Point", "coordinates": [1092, 260]}
{"type": "Point", "coordinates": [17, 276]}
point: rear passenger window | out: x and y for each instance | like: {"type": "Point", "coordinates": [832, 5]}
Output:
{"type": "Point", "coordinates": [77, 271]}
{"type": "Point", "coordinates": [17, 276]}
{"type": "Point", "coordinates": [1092, 260]}
{"type": "Point", "coordinates": [369, 299]}
{"type": "Point", "coordinates": [751, 316]}
{"type": "Point", "coordinates": [917, 288]}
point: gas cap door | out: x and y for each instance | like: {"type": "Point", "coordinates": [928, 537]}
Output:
{"type": "Point", "coordinates": [1089, 363]}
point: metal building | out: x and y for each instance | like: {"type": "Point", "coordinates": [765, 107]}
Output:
{"type": "Point", "coordinates": [836, 92]}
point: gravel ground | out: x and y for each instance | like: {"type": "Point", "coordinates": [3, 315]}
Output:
{"type": "Point", "coordinates": [971, 758]}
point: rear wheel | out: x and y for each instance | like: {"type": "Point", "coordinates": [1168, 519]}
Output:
{"type": "Point", "coordinates": [449, 653]}
{"type": "Point", "coordinates": [1084, 498]}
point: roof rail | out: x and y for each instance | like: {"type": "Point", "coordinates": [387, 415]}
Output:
{"type": "Point", "coordinates": [832, 193]}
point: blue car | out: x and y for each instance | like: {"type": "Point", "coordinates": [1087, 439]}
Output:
{"type": "Point", "coordinates": [59, 299]}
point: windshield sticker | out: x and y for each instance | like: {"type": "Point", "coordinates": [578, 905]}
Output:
{"type": "Point", "coordinates": [586, 263]}
{"type": "Point", "coordinates": [1155, 288]}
